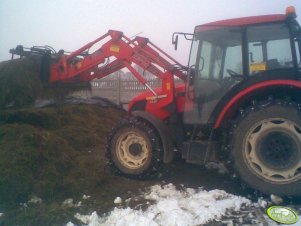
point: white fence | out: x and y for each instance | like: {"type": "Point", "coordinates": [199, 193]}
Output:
{"type": "Point", "coordinates": [120, 91]}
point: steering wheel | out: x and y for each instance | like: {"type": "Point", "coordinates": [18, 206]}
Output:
{"type": "Point", "coordinates": [233, 74]}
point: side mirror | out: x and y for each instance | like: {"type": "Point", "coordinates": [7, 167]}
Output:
{"type": "Point", "coordinates": [175, 39]}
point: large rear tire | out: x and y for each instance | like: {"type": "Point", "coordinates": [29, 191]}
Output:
{"type": "Point", "coordinates": [134, 149]}
{"type": "Point", "coordinates": [266, 148]}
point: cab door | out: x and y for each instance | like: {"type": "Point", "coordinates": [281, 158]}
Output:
{"type": "Point", "coordinates": [215, 67]}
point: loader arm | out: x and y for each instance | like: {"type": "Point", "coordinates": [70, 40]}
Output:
{"type": "Point", "coordinates": [114, 51]}
{"type": "Point", "coordinates": [125, 51]}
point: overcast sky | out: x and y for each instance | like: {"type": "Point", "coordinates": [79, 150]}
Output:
{"type": "Point", "coordinates": [69, 24]}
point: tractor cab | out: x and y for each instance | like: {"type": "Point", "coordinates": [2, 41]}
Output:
{"type": "Point", "coordinates": [227, 56]}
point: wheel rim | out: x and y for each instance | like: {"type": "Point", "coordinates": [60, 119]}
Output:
{"type": "Point", "coordinates": [132, 150]}
{"type": "Point", "coordinates": [273, 150]}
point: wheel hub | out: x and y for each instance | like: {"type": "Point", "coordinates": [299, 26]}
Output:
{"type": "Point", "coordinates": [278, 150]}
{"type": "Point", "coordinates": [133, 150]}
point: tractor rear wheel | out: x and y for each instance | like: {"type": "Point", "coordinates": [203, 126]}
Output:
{"type": "Point", "coordinates": [134, 149]}
{"type": "Point", "coordinates": [266, 148]}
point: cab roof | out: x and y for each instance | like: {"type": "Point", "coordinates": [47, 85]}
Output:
{"type": "Point", "coordinates": [243, 21]}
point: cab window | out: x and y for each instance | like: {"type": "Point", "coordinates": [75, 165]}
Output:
{"type": "Point", "coordinates": [269, 47]}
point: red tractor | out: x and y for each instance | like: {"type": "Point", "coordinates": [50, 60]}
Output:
{"type": "Point", "coordinates": [239, 101]}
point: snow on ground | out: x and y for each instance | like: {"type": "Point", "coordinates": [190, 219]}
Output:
{"type": "Point", "coordinates": [220, 167]}
{"type": "Point", "coordinates": [171, 207]}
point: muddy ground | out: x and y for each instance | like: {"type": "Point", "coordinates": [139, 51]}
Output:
{"type": "Point", "coordinates": [55, 152]}
{"type": "Point", "coordinates": [58, 152]}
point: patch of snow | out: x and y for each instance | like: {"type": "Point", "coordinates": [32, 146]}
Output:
{"type": "Point", "coordinates": [1, 214]}
{"type": "Point", "coordinates": [220, 167]}
{"type": "Point", "coordinates": [128, 200]}
{"type": "Point", "coordinates": [23, 205]}
{"type": "Point", "coordinates": [39, 103]}
{"type": "Point", "coordinates": [262, 203]}
{"type": "Point", "coordinates": [251, 215]}
{"type": "Point", "coordinates": [35, 200]}
{"type": "Point", "coordinates": [228, 223]}
{"type": "Point", "coordinates": [276, 199]}
{"type": "Point", "coordinates": [91, 220]}
{"type": "Point", "coordinates": [118, 200]}
{"type": "Point", "coordinates": [78, 204]}
{"type": "Point", "coordinates": [85, 197]}
{"type": "Point", "coordinates": [270, 222]}
{"type": "Point", "coordinates": [69, 203]}
{"type": "Point", "coordinates": [104, 102]}
{"type": "Point", "coordinates": [172, 207]}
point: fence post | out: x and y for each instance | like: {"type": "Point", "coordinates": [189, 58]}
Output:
{"type": "Point", "coordinates": [118, 89]}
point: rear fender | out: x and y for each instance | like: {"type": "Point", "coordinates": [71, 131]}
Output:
{"type": "Point", "coordinates": [240, 97]}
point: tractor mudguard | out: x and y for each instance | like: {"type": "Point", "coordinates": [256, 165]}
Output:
{"type": "Point", "coordinates": [243, 94]}
{"type": "Point", "coordinates": [162, 131]}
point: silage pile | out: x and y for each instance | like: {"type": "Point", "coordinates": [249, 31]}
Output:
{"type": "Point", "coordinates": [51, 152]}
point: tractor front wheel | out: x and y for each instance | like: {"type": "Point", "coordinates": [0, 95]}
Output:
{"type": "Point", "coordinates": [134, 149]}
{"type": "Point", "coordinates": [266, 148]}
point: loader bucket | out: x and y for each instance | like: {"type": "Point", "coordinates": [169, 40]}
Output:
{"type": "Point", "coordinates": [19, 82]}
{"type": "Point", "coordinates": [45, 67]}
{"type": "Point", "coordinates": [42, 55]}
{"type": "Point", "coordinates": [26, 79]}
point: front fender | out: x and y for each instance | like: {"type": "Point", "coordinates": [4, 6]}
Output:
{"type": "Point", "coordinates": [162, 131]}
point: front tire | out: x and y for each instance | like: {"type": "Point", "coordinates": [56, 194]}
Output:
{"type": "Point", "coordinates": [134, 149]}
{"type": "Point", "coordinates": [266, 148]}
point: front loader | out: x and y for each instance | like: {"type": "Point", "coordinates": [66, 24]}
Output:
{"type": "Point", "coordinates": [238, 103]}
